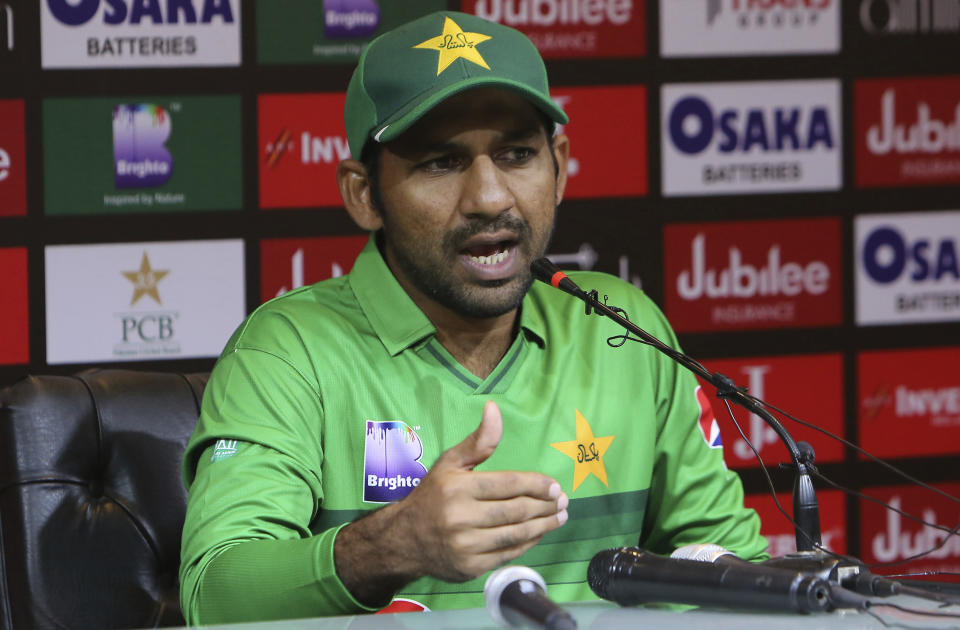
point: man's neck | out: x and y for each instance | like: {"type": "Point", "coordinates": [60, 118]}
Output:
{"type": "Point", "coordinates": [476, 344]}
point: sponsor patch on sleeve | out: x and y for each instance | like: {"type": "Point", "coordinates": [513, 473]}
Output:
{"type": "Point", "coordinates": [225, 448]}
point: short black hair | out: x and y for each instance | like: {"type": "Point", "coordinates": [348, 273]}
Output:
{"type": "Point", "coordinates": [373, 150]}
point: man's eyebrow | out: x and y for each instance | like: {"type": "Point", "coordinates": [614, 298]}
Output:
{"type": "Point", "coordinates": [513, 135]}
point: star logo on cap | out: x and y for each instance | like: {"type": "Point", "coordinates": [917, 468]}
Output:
{"type": "Point", "coordinates": [587, 453]}
{"type": "Point", "coordinates": [145, 280]}
{"type": "Point", "coordinates": [453, 43]}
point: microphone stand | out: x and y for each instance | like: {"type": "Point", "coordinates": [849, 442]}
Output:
{"type": "Point", "coordinates": [841, 570]}
{"type": "Point", "coordinates": [806, 513]}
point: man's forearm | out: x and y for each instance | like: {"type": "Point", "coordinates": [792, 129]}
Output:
{"type": "Point", "coordinates": [370, 569]}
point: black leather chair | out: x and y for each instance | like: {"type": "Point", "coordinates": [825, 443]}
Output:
{"type": "Point", "coordinates": [91, 499]}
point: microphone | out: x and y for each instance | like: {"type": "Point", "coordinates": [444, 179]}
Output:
{"type": "Point", "coordinates": [630, 576]}
{"type": "Point", "coordinates": [545, 271]}
{"type": "Point", "coordinates": [517, 596]}
{"type": "Point", "coordinates": [709, 552]}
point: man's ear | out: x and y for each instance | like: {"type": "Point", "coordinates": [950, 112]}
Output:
{"type": "Point", "coordinates": [561, 149]}
{"type": "Point", "coordinates": [355, 191]}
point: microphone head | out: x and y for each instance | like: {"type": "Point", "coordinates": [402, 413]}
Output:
{"type": "Point", "coordinates": [543, 269]}
{"type": "Point", "coordinates": [608, 564]}
{"type": "Point", "coordinates": [706, 552]}
{"type": "Point", "coordinates": [502, 578]}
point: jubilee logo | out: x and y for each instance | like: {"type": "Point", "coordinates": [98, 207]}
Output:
{"type": "Point", "coordinates": [889, 537]}
{"type": "Point", "coordinates": [142, 154]}
{"type": "Point", "coordinates": [755, 27]}
{"type": "Point", "coordinates": [908, 131]}
{"type": "Point", "coordinates": [142, 301]}
{"type": "Point", "coordinates": [572, 28]}
{"type": "Point", "coordinates": [751, 137]}
{"type": "Point", "coordinates": [301, 142]}
{"type": "Point", "coordinates": [907, 267]}
{"type": "Point", "coordinates": [131, 33]}
{"type": "Point", "coordinates": [13, 178]}
{"type": "Point", "coordinates": [753, 274]}
{"type": "Point", "coordinates": [784, 381]}
{"type": "Point", "coordinates": [909, 402]}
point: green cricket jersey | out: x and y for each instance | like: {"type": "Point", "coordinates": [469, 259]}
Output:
{"type": "Point", "coordinates": [336, 398]}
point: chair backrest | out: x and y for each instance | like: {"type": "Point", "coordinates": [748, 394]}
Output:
{"type": "Point", "coordinates": [91, 499]}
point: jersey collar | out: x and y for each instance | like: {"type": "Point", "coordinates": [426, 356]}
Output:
{"type": "Point", "coordinates": [396, 319]}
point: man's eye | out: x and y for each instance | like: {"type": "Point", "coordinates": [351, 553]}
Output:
{"type": "Point", "coordinates": [518, 154]}
{"type": "Point", "coordinates": [444, 163]}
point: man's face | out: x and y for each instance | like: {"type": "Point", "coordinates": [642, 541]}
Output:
{"type": "Point", "coordinates": [469, 199]}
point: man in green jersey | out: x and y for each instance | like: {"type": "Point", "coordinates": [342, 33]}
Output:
{"type": "Point", "coordinates": [397, 433]}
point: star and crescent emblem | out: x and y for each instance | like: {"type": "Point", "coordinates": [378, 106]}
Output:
{"type": "Point", "coordinates": [587, 453]}
{"type": "Point", "coordinates": [145, 280]}
{"type": "Point", "coordinates": [455, 43]}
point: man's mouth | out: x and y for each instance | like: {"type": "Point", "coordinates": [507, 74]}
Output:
{"type": "Point", "coordinates": [489, 254]}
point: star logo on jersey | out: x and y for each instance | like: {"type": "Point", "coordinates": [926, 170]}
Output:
{"type": "Point", "coordinates": [587, 453]}
{"type": "Point", "coordinates": [145, 280]}
{"type": "Point", "coordinates": [453, 43]}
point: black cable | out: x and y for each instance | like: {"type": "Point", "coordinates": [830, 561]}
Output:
{"type": "Point", "coordinates": [869, 455]}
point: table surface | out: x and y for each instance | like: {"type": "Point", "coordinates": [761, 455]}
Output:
{"type": "Point", "coordinates": [600, 615]}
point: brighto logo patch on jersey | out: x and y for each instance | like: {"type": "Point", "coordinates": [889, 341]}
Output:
{"type": "Point", "coordinates": [391, 461]}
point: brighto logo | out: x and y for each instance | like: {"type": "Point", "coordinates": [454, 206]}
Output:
{"type": "Point", "coordinates": [350, 18]}
{"type": "Point", "coordinates": [141, 158]}
{"type": "Point", "coordinates": [694, 126]}
{"type": "Point", "coordinates": [553, 12]}
{"type": "Point", "coordinates": [137, 11]}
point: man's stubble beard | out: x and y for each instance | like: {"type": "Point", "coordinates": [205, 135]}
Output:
{"type": "Point", "coordinates": [478, 301]}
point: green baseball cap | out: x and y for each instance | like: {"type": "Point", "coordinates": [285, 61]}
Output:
{"type": "Point", "coordinates": [406, 72]}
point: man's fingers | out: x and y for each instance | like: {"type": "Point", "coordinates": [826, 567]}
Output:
{"type": "Point", "coordinates": [479, 445]}
{"type": "Point", "coordinates": [495, 485]}
{"type": "Point", "coordinates": [517, 510]}
{"type": "Point", "coordinates": [498, 539]}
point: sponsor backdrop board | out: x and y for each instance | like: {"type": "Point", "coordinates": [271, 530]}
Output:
{"type": "Point", "coordinates": [909, 402]}
{"type": "Point", "coordinates": [328, 31]}
{"type": "Point", "coordinates": [751, 137]}
{"type": "Point", "coordinates": [290, 263]}
{"type": "Point", "coordinates": [572, 29]}
{"type": "Point", "coordinates": [590, 172]}
{"type": "Point", "coordinates": [142, 154]}
{"type": "Point", "coordinates": [779, 532]}
{"type": "Point", "coordinates": [142, 301]}
{"type": "Point", "coordinates": [742, 275]}
{"type": "Point", "coordinates": [136, 34]}
{"type": "Point", "coordinates": [14, 315]}
{"type": "Point", "coordinates": [890, 537]}
{"type": "Point", "coordinates": [785, 382]}
{"type": "Point", "coordinates": [907, 131]}
{"type": "Point", "coordinates": [13, 159]}
{"type": "Point", "coordinates": [694, 28]}
{"type": "Point", "coordinates": [907, 267]}
{"type": "Point", "coordinates": [779, 176]}
{"type": "Point", "coordinates": [301, 140]}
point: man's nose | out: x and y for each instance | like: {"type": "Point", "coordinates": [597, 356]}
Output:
{"type": "Point", "coordinates": [486, 191]}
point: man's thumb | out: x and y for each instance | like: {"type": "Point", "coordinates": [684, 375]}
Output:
{"type": "Point", "coordinates": [479, 445]}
